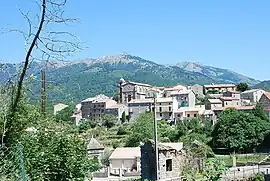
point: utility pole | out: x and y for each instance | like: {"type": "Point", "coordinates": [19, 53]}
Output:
{"type": "Point", "coordinates": [43, 93]}
{"type": "Point", "coordinates": [156, 138]}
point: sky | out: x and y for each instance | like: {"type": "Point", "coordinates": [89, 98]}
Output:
{"type": "Point", "coordinates": [227, 34]}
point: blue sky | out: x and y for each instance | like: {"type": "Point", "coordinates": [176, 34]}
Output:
{"type": "Point", "coordinates": [227, 34]}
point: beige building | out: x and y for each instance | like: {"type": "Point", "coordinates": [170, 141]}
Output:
{"type": "Point", "coordinates": [140, 106]}
{"type": "Point", "coordinates": [253, 95]}
{"type": "Point", "coordinates": [218, 88]}
{"type": "Point", "coordinates": [94, 108]}
{"type": "Point", "coordinates": [188, 113]}
{"type": "Point", "coordinates": [230, 101]}
{"type": "Point", "coordinates": [58, 107]}
{"type": "Point", "coordinates": [212, 103]}
{"type": "Point", "coordinates": [125, 161]}
{"type": "Point", "coordinates": [117, 110]}
{"type": "Point", "coordinates": [185, 98]}
{"type": "Point", "coordinates": [132, 90]}
{"type": "Point", "coordinates": [165, 108]}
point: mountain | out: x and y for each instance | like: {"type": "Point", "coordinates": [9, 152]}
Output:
{"type": "Point", "coordinates": [77, 80]}
{"type": "Point", "coordinates": [223, 75]}
{"type": "Point", "coordinates": [265, 85]}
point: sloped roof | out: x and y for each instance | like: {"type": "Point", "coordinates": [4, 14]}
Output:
{"type": "Point", "coordinates": [126, 153]}
{"type": "Point", "coordinates": [181, 92]}
{"type": "Point", "coordinates": [94, 145]}
{"type": "Point", "coordinates": [267, 94]}
{"type": "Point", "coordinates": [215, 101]}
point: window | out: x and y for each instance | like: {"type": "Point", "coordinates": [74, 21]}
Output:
{"type": "Point", "coordinates": [170, 109]}
{"type": "Point", "coordinates": [159, 103]}
{"type": "Point", "coordinates": [188, 115]}
{"type": "Point", "coordinates": [170, 103]}
{"type": "Point", "coordinates": [195, 115]}
{"type": "Point", "coordinates": [226, 103]}
{"type": "Point", "coordinates": [129, 98]}
{"type": "Point", "coordinates": [160, 114]}
{"type": "Point", "coordinates": [160, 109]}
{"type": "Point", "coordinates": [168, 165]}
{"type": "Point", "coordinates": [170, 114]}
{"type": "Point", "coordinates": [178, 115]}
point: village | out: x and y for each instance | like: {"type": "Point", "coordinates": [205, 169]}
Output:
{"type": "Point", "coordinates": [173, 104]}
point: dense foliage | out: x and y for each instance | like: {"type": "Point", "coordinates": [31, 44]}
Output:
{"type": "Point", "coordinates": [242, 86]}
{"type": "Point", "coordinates": [51, 148]}
{"type": "Point", "coordinates": [238, 130]}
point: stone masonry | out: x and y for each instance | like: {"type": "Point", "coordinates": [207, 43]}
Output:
{"type": "Point", "coordinates": [171, 162]}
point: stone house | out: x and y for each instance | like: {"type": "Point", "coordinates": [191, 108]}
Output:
{"type": "Point", "coordinates": [58, 107]}
{"type": "Point", "coordinates": [265, 101]}
{"type": "Point", "coordinates": [94, 108]}
{"type": "Point", "coordinates": [185, 98]}
{"type": "Point", "coordinates": [253, 95]}
{"type": "Point", "coordinates": [197, 89]}
{"type": "Point", "coordinates": [218, 88]}
{"type": "Point", "coordinates": [95, 149]}
{"type": "Point", "coordinates": [171, 161]}
{"type": "Point", "coordinates": [125, 161]}
{"type": "Point", "coordinates": [132, 90]}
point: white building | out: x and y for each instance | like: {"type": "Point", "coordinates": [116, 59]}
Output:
{"type": "Point", "coordinates": [125, 160]}
{"type": "Point", "coordinates": [185, 98]}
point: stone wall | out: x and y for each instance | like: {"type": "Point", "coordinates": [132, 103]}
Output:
{"type": "Point", "coordinates": [148, 163]}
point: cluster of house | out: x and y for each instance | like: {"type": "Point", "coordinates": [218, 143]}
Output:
{"type": "Point", "coordinates": [172, 104]}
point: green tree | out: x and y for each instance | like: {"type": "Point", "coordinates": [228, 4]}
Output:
{"type": "Point", "coordinates": [242, 86]}
{"type": "Point", "coordinates": [258, 111]}
{"type": "Point", "coordinates": [212, 171]}
{"type": "Point", "coordinates": [123, 119]}
{"type": "Point", "coordinates": [109, 120]}
{"type": "Point", "coordinates": [143, 130]}
{"type": "Point", "coordinates": [52, 152]}
{"type": "Point", "coordinates": [236, 129]}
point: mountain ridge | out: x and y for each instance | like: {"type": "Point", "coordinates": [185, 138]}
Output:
{"type": "Point", "coordinates": [80, 79]}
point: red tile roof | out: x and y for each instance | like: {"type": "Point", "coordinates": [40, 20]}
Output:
{"type": "Point", "coordinates": [267, 94]}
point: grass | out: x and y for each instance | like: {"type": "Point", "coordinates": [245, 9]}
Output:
{"type": "Point", "coordinates": [241, 158]}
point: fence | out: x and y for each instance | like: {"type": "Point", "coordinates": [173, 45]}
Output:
{"type": "Point", "coordinates": [245, 172]}
{"type": "Point", "coordinates": [11, 163]}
